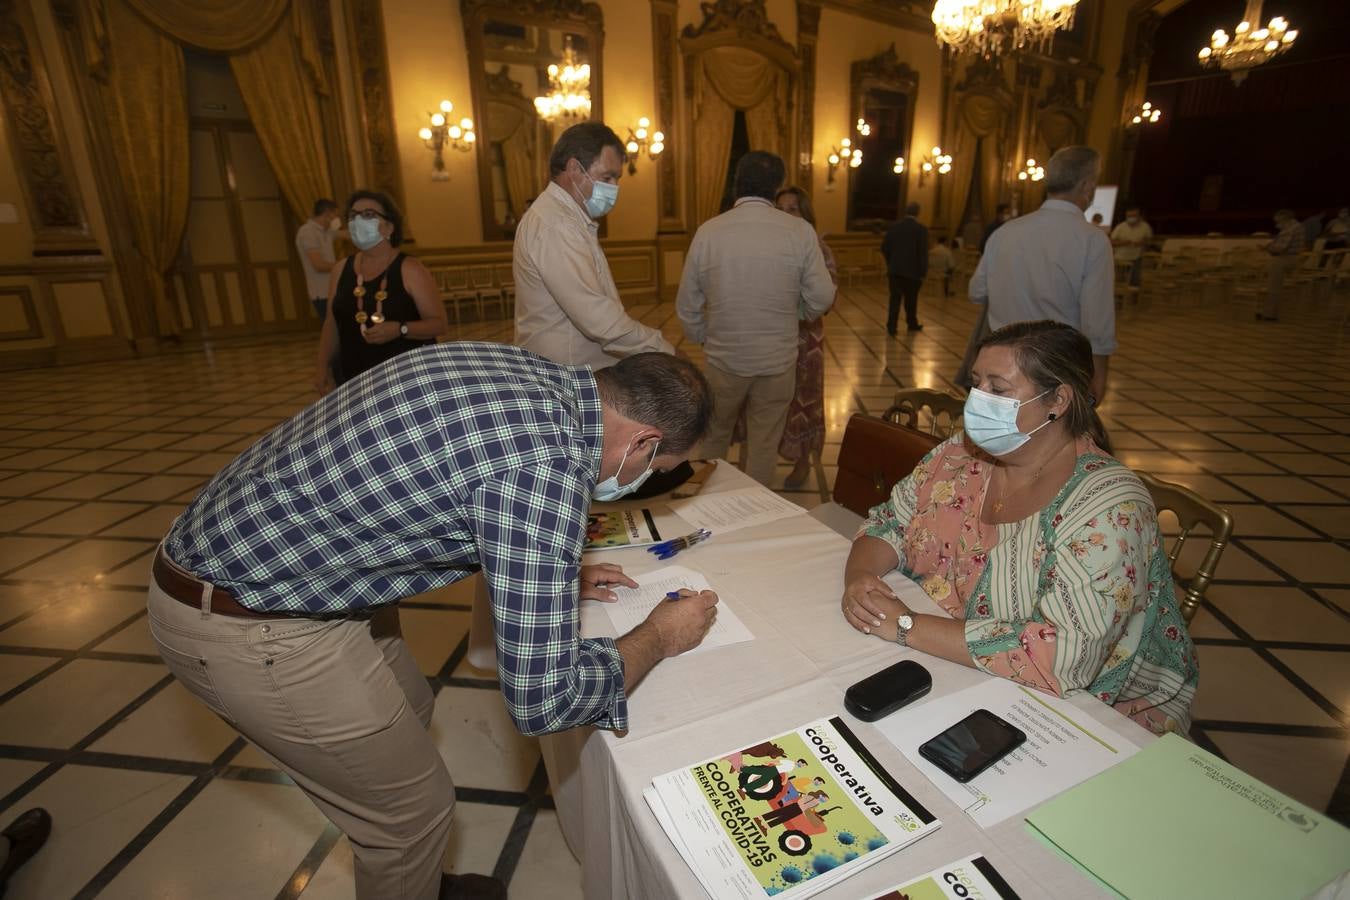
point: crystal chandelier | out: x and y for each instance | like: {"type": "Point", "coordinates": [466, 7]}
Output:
{"type": "Point", "coordinates": [990, 27]}
{"type": "Point", "coordinates": [1250, 46]}
{"type": "Point", "coordinates": [569, 95]}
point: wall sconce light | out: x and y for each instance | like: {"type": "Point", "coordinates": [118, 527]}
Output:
{"type": "Point", "coordinates": [1147, 114]}
{"type": "Point", "coordinates": [844, 152]}
{"type": "Point", "coordinates": [1032, 172]}
{"type": "Point", "coordinates": [899, 166]}
{"type": "Point", "coordinates": [441, 132]}
{"type": "Point", "coordinates": [643, 139]}
{"type": "Point", "coordinates": [863, 128]}
{"type": "Point", "coordinates": [934, 164]}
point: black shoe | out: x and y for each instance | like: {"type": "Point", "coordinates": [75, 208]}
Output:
{"type": "Point", "coordinates": [26, 836]}
{"type": "Point", "coordinates": [471, 887]}
{"type": "Point", "coordinates": [915, 327]}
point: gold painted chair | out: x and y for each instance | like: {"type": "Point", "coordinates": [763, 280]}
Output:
{"type": "Point", "coordinates": [1191, 511]}
{"type": "Point", "coordinates": [909, 403]}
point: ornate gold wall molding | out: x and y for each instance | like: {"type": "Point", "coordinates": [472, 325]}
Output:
{"type": "Point", "coordinates": [375, 98]}
{"type": "Point", "coordinates": [665, 55]}
{"type": "Point", "coordinates": [900, 13]}
{"type": "Point", "coordinates": [40, 152]}
{"type": "Point", "coordinates": [808, 32]}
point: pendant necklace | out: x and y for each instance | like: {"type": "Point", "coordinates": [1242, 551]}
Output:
{"type": "Point", "coordinates": [1004, 495]}
{"type": "Point", "coordinates": [359, 292]}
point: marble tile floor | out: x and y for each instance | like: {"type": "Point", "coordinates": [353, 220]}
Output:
{"type": "Point", "coordinates": [154, 797]}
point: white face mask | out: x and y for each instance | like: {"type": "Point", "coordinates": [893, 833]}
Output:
{"type": "Point", "coordinates": [365, 232]}
{"type": "Point", "coordinates": [602, 199]}
{"type": "Point", "coordinates": [991, 422]}
{"type": "Point", "coordinates": [610, 489]}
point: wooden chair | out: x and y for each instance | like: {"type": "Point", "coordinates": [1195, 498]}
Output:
{"type": "Point", "coordinates": [481, 278]}
{"type": "Point", "coordinates": [905, 410]}
{"type": "Point", "coordinates": [456, 291]}
{"type": "Point", "coordinates": [1191, 511]}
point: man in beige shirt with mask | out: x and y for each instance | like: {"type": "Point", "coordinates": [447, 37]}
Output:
{"type": "Point", "coordinates": [567, 305]}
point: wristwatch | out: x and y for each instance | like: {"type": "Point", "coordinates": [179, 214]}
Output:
{"type": "Point", "coordinates": [903, 626]}
{"type": "Point", "coordinates": [403, 328]}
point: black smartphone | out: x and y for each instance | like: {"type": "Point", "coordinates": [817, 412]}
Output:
{"type": "Point", "coordinates": [972, 745]}
{"type": "Point", "coordinates": [886, 691]}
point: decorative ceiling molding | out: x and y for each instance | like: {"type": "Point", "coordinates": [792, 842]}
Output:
{"type": "Point", "coordinates": [555, 12]}
{"type": "Point", "coordinates": [886, 68]}
{"type": "Point", "coordinates": [748, 18]}
{"type": "Point", "coordinates": [900, 13]}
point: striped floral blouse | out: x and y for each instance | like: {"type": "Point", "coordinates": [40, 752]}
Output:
{"type": "Point", "coordinates": [1077, 597]}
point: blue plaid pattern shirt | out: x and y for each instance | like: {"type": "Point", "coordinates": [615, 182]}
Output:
{"type": "Point", "coordinates": [442, 461]}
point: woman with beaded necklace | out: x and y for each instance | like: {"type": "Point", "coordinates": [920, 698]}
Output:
{"type": "Point", "coordinates": [380, 302]}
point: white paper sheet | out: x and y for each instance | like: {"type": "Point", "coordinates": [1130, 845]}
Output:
{"type": "Point", "coordinates": [1064, 746]}
{"type": "Point", "coordinates": [729, 510]}
{"type": "Point", "coordinates": [634, 604]}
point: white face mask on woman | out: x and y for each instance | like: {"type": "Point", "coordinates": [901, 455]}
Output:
{"type": "Point", "coordinates": [991, 422]}
{"type": "Point", "coordinates": [365, 232]}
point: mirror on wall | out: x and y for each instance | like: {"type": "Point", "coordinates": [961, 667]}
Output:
{"type": "Point", "coordinates": [510, 55]}
{"type": "Point", "coordinates": [883, 94]}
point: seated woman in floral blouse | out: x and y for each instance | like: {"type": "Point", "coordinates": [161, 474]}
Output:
{"type": "Point", "coordinates": [1042, 547]}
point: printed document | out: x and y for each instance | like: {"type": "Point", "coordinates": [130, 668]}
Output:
{"type": "Point", "coordinates": [729, 510]}
{"type": "Point", "coordinates": [634, 604]}
{"type": "Point", "coordinates": [1064, 746]}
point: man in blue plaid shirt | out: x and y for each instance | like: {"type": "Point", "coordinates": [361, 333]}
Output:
{"type": "Point", "coordinates": [274, 594]}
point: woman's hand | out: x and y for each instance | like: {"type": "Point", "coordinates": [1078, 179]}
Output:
{"type": "Point", "coordinates": [870, 606]}
{"type": "Point", "coordinates": [380, 332]}
{"type": "Point", "coordinates": [594, 578]}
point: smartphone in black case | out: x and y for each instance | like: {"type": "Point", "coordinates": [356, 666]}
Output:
{"type": "Point", "coordinates": [972, 745]}
{"type": "Point", "coordinates": [886, 691]}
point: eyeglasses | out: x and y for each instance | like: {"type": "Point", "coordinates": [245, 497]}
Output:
{"type": "Point", "coordinates": [366, 214]}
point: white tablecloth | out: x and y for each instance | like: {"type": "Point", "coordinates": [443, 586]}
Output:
{"type": "Point", "coordinates": [784, 580]}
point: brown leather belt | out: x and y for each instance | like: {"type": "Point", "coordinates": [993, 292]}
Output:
{"type": "Point", "coordinates": [187, 590]}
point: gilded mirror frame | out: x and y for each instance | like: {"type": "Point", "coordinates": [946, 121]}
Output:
{"type": "Point", "coordinates": [885, 72]}
{"type": "Point", "coordinates": [575, 16]}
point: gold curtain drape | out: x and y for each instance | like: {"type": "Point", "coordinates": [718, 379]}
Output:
{"type": "Point", "coordinates": [980, 121]}
{"type": "Point", "coordinates": [516, 130]}
{"type": "Point", "coordinates": [713, 128]}
{"type": "Point", "coordinates": [731, 79]}
{"type": "Point", "coordinates": [219, 25]}
{"type": "Point", "coordinates": [145, 96]}
{"type": "Point", "coordinates": [280, 79]}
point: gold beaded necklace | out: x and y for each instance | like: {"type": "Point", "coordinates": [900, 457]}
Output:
{"type": "Point", "coordinates": [359, 292]}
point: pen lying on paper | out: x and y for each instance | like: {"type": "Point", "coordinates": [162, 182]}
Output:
{"type": "Point", "coordinates": [667, 549]}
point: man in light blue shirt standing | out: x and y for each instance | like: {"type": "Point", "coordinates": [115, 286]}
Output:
{"type": "Point", "coordinates": [1054, 264]}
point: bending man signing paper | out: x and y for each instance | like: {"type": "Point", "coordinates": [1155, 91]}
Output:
{"type": "Point", "coordinates": [275, 594]}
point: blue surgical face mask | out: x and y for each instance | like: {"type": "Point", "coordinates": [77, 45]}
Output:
{"type": "Point", "coordinates": [991, 422]}
{"type": "Point", "coordinates": [365, 233]}
{"type": "Point", "coordinates": [602, 199]}
{"type": "Point", "coordinates": [610, 489]}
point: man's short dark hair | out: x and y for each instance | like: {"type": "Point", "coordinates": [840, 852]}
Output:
{"type": "Point", "coordinates": [323, 206]}
{"type": "Point", "coordinates": [911, 209]}
{"type": "Point", "coordinates": [662, 391]}
{"type": "Point", "coordinates": [759, 174]}
{"type": "Point", "coordinates": [387, 205]}
{"type": "Point", "coordinates": [583, 142]}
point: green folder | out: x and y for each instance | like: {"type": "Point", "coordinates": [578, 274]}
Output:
{"type": "Point", "coordinates": [1175, 821]}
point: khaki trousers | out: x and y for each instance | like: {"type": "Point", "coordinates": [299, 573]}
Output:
{"type": "Point", "coordinates": [766, 399]}
{"type": "Point", "coordinates": [339, 706]}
